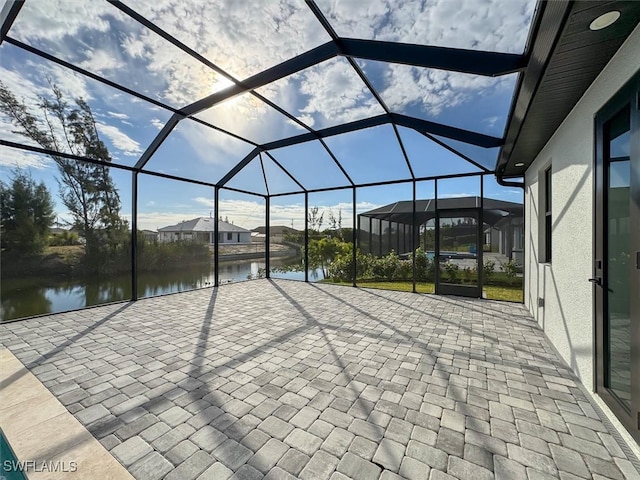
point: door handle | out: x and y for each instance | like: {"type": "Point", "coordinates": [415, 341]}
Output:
{"type": "Point", "coordinates": [596, 280]}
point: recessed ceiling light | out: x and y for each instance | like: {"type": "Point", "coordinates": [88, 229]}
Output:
{"type": "Point", "coordinates": [603, 21]}
{"type": "Point", "coordinates": [520, 164]}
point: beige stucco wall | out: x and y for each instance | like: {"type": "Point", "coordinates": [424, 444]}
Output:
{"type": "Point", "coordinates": [568, 311]}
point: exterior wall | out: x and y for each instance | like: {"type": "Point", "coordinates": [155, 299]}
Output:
{"type": "Point", "coordinates": [245, 237]}
{"type": "Point", "coordinates": [567, 315]}
{"type": "Point", "coordinates": [166, 236]}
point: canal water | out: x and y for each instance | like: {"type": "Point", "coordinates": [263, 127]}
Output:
{"type": "Point", "coordinates": [34, 296]}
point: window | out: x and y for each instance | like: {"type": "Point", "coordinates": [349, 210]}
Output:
{"type": "Point", "coordinates": [546, 257]}
{"type": "Point", "coordinates": [229, 236]}
{"type": "Point", "coordinates": [545, 223]}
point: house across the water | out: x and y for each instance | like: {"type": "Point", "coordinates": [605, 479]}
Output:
{"type": "Point", "coordinates": [202, 229]}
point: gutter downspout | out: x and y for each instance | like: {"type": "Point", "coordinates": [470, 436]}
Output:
{"type": "Point", "coordinates": [505, 183]}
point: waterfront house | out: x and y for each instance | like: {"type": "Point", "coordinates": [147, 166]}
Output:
{"type": "Point", "coordinates": [201, 229]}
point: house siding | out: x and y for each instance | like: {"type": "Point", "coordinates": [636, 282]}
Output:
{"type": "Point", "coordinates": [567, 314]}
{"type": "Point", "coordinates": [236, 237]}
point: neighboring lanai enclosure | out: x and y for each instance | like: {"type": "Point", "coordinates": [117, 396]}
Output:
{"type": "Point", "coordinates": [168, 159]}
{"type": "Point", "coordinates": [457, 235]}
{"type": "Point", "coordinates": [395, 227]}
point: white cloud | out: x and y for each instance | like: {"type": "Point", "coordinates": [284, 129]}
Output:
{"type": "Point", "coordinates": [7, 128]}
{"type": "Point", "coordinates": [494, 25]}
{"type": "Point", "coordinates": [436, 90]}
{"type": "Point", "coordinates": [15, 158]}
{"type": "Point", "coordinates": [35, 19]}
{"type": "Point", "coordinates": [457, 195]}
{"type": "Point", "coordinates": [211, 146]}
{"type": "Point", "coordinates": [242, 37]}
{"type": "Point", "coordinates": [250, 118]}
{"type": "Point", "coordinates": [156, 122]}
{"type": "Point", "coordinates": [30, 82]}
{"type": "Point", "coordinates": [122, 116]}
{"type": "Point", "coordinates": [336, 94]}
{"type": "Point", "coordinates": [250, 213]}
{"type": "Point", "coordinates": [101, 60]}
{"type": "Point", "coordinates": [120, 140]}
{"type": "Point", "coordinates": [245, 37]}
{"type": "Point", "coordinates": [27, 89]}
{"type": "Point", "coordinates": [134, 46]}
{"type": "Point", "coordinates": [207, 202]}
{"type": "Point", "coordinates": [490, 121]}
{"type": "Point", "coordinates": [155, 220]}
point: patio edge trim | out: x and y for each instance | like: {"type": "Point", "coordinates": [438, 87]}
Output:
{"type": "Point", "coordinates": [21, 412]}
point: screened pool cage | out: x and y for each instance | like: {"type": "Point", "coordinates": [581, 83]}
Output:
{"type": "Point", "coordinates": [358, 157]}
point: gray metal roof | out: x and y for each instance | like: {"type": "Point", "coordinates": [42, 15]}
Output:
{"type": "Point", "coordinates": [402, 212]}
{"type": "Point", "coordinates": [202, 224]}
{"type": "Point", "coordinates": [566, 58]}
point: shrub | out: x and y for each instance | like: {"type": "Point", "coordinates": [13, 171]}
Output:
{"type": "Point", "coordinates": [64, 239]}
{"type": "Point", "coordinates": [385, 268]}
{"type": "Point", "coordinates": [324, 251]}
{"type": "Point", "coordinates": [341, 268]}
{"type": "Point", "coordinates": [488, 270]}
{"type": "Point", "coordinates": [468, 274]}
{"type": "Point", "coordinates": [510, 270]}
{"type": "Point", "coordinates": [425, 267]}
{"type": "Point", "coordinates": [404, 270]}
{"type": "Point", "coordinates": [452, 271]}
{"type": "Point", "coordinates": [153, 255]}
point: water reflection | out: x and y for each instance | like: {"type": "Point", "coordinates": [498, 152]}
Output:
{"type": "Point", "coordinates": [26, 297]}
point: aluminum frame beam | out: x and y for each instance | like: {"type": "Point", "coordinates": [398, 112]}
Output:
{"type": "Point", "coordinates": [453, 59]}
{"type": "Point", "coordinates": [239, 166]}
{"type": "Point", "coordinates": [284, 69]}
{"type": "Point", "coordinates": [476, 62]}
{"type": "Point", "coordinates": [454, 133]}
{"type": "Point", "coordinates": [466, 136]}
{"type": "Point", "coordinates": [8, 15]}
{"type": "Point", "coordinates": [157, 141]}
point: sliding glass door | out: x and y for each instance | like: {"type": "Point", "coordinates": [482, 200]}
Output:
{"type": "Point", "coordinates": [617, 256]}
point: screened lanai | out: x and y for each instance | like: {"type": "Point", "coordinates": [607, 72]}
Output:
{"type": "Point", "coordinates": [277, 128]}
{"type": "Point", "coordinates": [299, 227]}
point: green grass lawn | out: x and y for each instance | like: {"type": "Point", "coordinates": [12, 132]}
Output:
{"type": "Point", "coordinates": [511, 294]}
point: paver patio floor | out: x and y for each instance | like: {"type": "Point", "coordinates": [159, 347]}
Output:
{"type": "Point", "coordinates": [280, 379]}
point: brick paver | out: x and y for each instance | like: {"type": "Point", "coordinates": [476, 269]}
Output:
{"type": "Point", "coordinates": [289, 380]}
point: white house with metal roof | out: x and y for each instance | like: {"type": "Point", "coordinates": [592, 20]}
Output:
{"type": "Point", "coordinates": [202, 229]}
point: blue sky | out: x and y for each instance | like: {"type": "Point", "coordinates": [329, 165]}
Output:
{"type": "Point", "coordinates": [243, 39]}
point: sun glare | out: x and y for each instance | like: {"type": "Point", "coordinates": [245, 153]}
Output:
{"type": "Point", "coordinates": [220, 83]}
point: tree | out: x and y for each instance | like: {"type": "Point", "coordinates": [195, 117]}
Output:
{"type": "Point", "coordinates": [335, 223]}
{"type": "Point", "coordinates": [315, 219]}
{"type": "Point", "coordinates": [324, 251]}
{"type": "Point", "coordinates": [86, 189]}
{"type": "Point", "coordinates": [26, 210]}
